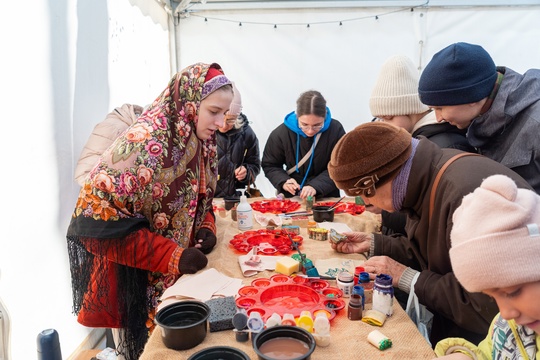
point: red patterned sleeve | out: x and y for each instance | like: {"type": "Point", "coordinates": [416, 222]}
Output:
{"type": "Point", "coordinates": [141, 249]}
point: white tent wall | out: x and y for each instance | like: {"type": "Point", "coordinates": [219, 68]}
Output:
{"type": "Point", "coordinates": [64, 66]}
{"type": "Point", "coordinates": [272, 65]}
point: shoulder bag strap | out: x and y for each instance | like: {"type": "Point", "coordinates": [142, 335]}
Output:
{"type": "Point", "coordinates": [304, 159]}
{"type": "Point", "coordinates": [438, 179]}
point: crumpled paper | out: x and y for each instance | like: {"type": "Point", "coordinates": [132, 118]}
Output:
{"type": "Point", "coordinates": [251, 263]}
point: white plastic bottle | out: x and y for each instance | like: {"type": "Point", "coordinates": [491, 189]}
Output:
{"type": "Point", "coordinates": [244, 214]}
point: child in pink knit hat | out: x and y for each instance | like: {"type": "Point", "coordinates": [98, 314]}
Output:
{"type": "Point", "coordinates": [496, 250]}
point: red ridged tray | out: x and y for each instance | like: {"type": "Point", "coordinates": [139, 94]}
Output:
{"type": "Point", "coordinates": [284, 294]}
{"type": "Point", "coordinates": [344, 207]}
{"type": "Point", "coordinates": [270, 242]}
{"type": "Point", "coordinates": [275, 206]}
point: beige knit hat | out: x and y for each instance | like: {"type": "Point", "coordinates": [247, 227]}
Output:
{"type": "Point", "coordinates": [396, 90]}
{"type": "Point", "coordinates": [236, 104]}
{"type": "Point", "coordinates": [496, 236]}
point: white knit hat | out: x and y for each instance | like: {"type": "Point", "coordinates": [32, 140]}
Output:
{"type": "Point", "coordinates": [496, 236]}
{"type": "Point", "coordinates": [236, 104]}
{"type": "Point", "coordinates": [396, 90]}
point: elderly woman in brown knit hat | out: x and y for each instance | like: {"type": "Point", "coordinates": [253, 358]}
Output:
{"type": "Point", "coordinates": [393, 171]}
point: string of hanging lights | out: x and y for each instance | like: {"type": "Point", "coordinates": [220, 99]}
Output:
{"type": "Point", "coordinates": [189, 13]}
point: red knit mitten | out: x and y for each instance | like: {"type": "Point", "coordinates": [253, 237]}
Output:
{"type": "Point", "coordinates": [191, 261]}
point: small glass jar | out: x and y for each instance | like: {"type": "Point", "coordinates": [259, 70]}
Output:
{"type": "Point", "coordinates": [354, 310]}
{"type": "Point", "coordinates": [357, 271]}
{"type": "Point", "coordinates": [367, 284]}
{"type": "Point", "coordinates": [345, 282]}
{"type": "Point", "coordinates": [383, 294]}
{"type": "Point", "coordinates": [310, 200]}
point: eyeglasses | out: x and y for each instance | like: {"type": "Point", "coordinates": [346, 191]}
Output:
{"type": "Point", "coordinates": [365, 186]}
{"type": "Point", "coordinates": [308, 127]}
{"type": "Point", "coordinates": [230, 119]}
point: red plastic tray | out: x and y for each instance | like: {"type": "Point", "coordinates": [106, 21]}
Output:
{"type": "Point", "coordinates": [284, 294]}
{"type": "Point", "coordinates": [344, 207]}
{"type": "Point", "coordinates": [269, 242]}
{"type": "Point", "coordinates": [275, 206]}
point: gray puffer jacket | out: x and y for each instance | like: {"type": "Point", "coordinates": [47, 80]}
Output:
{"type": "Point", "coordinates": [508, 131]}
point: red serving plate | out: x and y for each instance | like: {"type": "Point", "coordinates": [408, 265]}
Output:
{"type": "Point", "coordinates": [275, 206]}
{"type": "Point", "coordinates": [284, 294]}
{"type": "Point", "coordinates": [344, 207]}
{"type": "Point", "coordinates": [269, 242]}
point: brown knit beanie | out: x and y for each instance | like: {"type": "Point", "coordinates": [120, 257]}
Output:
{"type": "Point", "coordinates": [396, 90]}
{"type": "Point", "coordinates": [372, 149]}
{"type": "Point", "coordinates": [496, 236]}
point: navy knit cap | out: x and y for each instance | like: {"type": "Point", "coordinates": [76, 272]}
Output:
{"type": "Point", "coordinates": [458, 74]}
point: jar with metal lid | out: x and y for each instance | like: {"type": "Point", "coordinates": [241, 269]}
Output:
{"type": "Point", "coordinates": [345, 282]}
{"type": "Point", "coordinates": [383, 294]}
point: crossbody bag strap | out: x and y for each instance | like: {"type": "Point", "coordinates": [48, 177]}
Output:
{"type": "Point", "coordinates": [438, 179]}
{"type": "Point", "coordinates": [304, 159]}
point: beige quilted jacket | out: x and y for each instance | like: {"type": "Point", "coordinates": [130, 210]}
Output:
{"type": "Point", "coordinates": [103, 136]}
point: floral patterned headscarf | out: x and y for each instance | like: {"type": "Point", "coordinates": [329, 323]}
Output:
{"type": "Point", "coordinates": [158, 174]}
{"type": "Point", "coordinates": [159, 169]}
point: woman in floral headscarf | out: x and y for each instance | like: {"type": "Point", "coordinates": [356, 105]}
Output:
{"type": "Point", "coordinates": [144, 215]}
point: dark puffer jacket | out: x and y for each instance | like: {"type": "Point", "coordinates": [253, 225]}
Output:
{"type": "Point", "coordinates": [230, 148]}
{"type": "Point", "coordinates": [281, 150]}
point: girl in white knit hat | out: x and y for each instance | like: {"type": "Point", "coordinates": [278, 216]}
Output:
{"type": "Point", "coordinates": [496, 250]}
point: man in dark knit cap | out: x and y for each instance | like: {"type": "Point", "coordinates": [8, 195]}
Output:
{"type": "Point", "coordinates": [499, 107]}
{"type": "Point", "coordinates": [395, 172]}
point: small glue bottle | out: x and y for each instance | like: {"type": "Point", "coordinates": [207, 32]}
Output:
{"type": "Point", "coordinates": [321, 330]}
{"type": "Point", "coordinates": [244, 214]}
{"type": "Point", "coordinates": [305, 321]}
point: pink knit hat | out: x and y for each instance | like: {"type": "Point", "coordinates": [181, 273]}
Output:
{"type": "Point", "coordinates": [236, 104]}
{"type": "Point", "coordinates": [496, 236]}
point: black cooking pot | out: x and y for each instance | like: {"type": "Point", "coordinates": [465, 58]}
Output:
{"type": "Point", "coordinates": [323, 213]}
{"type": "Point", "coordinates": [183, 324]}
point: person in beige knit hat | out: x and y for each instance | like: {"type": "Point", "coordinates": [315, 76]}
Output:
{"type": "Point", "coordinates": [393, 171]}
{"type": "Point", "coordinates": [394, 100]}
{"type": "Point", "coordinates": [495, 250]}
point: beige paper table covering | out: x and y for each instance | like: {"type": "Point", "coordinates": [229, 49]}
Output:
{"type": "Point", "coordinates": [349, 338]}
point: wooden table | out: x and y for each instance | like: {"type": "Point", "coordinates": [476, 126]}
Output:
{"type": "Point", "coordinates": [349, 338]}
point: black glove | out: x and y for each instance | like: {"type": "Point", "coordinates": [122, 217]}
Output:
{"type": "Point", "coordinates": [191, 261]}
{"type": "Point", "coordinates": [208, 240]}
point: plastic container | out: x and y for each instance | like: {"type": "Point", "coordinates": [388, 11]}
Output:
{"type": "Point", "coordinates": [383, 294]}
{"type": "Point", "coordinates": [300, 338]}
{"type": "Point", "coordinates": [345, 282]}
{"type": "Point", "coordinates": [219, 352]}
{"type": "Point", "coordinates": [323, 213]}
{"type": "Point", "coordinates": [184, 324]}
{"type": "Point", "coordinates": [244, 214]}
